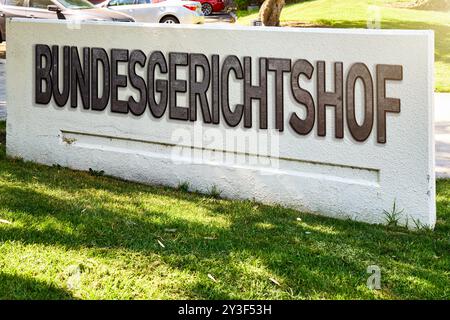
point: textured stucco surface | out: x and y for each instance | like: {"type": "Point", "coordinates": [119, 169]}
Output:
{"type": "Point", "coordinates": [335, 177]}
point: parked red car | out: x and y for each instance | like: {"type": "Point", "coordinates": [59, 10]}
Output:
{"type": "Point", "coordinates": [210, 6]}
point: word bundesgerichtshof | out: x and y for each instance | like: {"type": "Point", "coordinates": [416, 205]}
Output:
{"type": "Point", "coordinates": [159, 94]}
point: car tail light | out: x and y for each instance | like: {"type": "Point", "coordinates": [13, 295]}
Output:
{"type": "Point", "coordinates": [192, 7]}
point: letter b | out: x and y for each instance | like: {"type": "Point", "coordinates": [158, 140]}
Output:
{"type": "Point", "coordinates": [42, 74]}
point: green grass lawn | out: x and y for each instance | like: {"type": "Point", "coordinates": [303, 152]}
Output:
{"type": "Point", "coordinates": [355, 13]}
{"type": "Point", "coordinates": [71, 235]}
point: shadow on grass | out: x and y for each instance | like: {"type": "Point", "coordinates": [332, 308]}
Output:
{"type": "Point", "coordinates": [242, 243]}
{"type": "Point", "coordinates": [14, 287]}
{"type": "Point", "coordinates": [314, 257]}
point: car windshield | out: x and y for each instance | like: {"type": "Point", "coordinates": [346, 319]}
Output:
{"type": "Point", "coordinates": [76, 4]}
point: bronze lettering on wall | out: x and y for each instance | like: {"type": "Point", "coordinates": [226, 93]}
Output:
{"type": "Point", "coordinates": [176, 85]}
{"type": "Point", "coordinates": [157, 87]}
{"type": "Point", "coordinates": [118, 80]}
{"type": "Point", "coordinates": [279, 66]}
{"type": "Point", "coordinates": [359, 71]}
{"type": "Point", "coordinates": [231, 63]}
{"type": "Point", "coordinates": [99, 56]}
{"type": "Point", "coordinates": [43, 62]}
{"type": "Point", "coordinates": [137, 57]}
{"type": "Point", "coordinates": [199, 88]}
{"type": "Point", "coordinates": [255, 92]}
{"type": "Point", "coordinates": [97, 78]}
{"type": "Point", "coordinates": [330, 99]}
{"type": "Point", "coordinates": [385, 104]}
{"type": "Point", "coordinates": [61, 97]}
{"type": "Point", "coordinates": [303, 97]}
{"type": "Point", "coordinates": [79, 77]}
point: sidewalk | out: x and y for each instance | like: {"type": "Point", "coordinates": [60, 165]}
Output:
{"type": "Point", "coordinates": [442, 134]}
{"type": "Point", "coordinates": [2, 110]}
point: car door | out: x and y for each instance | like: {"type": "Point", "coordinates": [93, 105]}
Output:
{"type": "Point", "coordinates": [140, 10]}
{"type": "Point", "coordinates": [37, 9]}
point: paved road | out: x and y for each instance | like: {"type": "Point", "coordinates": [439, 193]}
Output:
{"type": "Point", "coordinates": [442, 124]}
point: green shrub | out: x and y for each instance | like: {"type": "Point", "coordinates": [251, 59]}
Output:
{"type": "Point", "coordinates": [243, 4]}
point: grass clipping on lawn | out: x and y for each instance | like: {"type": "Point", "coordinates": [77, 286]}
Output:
{"type": "Point", "coordinates": [76, 235]}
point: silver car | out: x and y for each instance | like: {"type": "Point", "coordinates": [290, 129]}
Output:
{"type": "Point", "coordinates": [157, 11]}
{"type": "Point", "coordinates": [79, 10]}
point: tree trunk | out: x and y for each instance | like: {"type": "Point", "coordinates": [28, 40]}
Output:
{"type": "Point", "coordinates": [270, 12]}
{"type": "Point", "coordinates": [438, 5]}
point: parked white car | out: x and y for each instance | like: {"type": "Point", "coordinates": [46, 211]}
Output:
{"type": "Point", "coordinates": [157, 11]}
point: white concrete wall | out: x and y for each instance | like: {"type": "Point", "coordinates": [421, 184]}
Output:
{"type": "Point", "coordinates": [334, 177]}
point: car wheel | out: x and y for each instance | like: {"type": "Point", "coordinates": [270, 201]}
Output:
{"type": "Point", "coordinates": [207, 9]}
{"type": "Point", "coordinates": [169, 19]}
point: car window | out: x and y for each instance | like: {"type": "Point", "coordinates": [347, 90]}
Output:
{"type": "Point", "coordinates": [120, 2]}
{"type": "Point", "coordinates": [76, 4]}
{"type": "Point", "coordinates": [143, 1]}
{"type": "Point", "coordinates": [17, 3]}
{"type": "Point", "coordinates": [39, 4]}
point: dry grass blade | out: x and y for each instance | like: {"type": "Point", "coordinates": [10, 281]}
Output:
{"type": "Point", "coordinates": [211, 277]}
{"type": "Point", "coordinates": [161, 244]}
{"type": "Point", "coordinates": [275, 281]}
